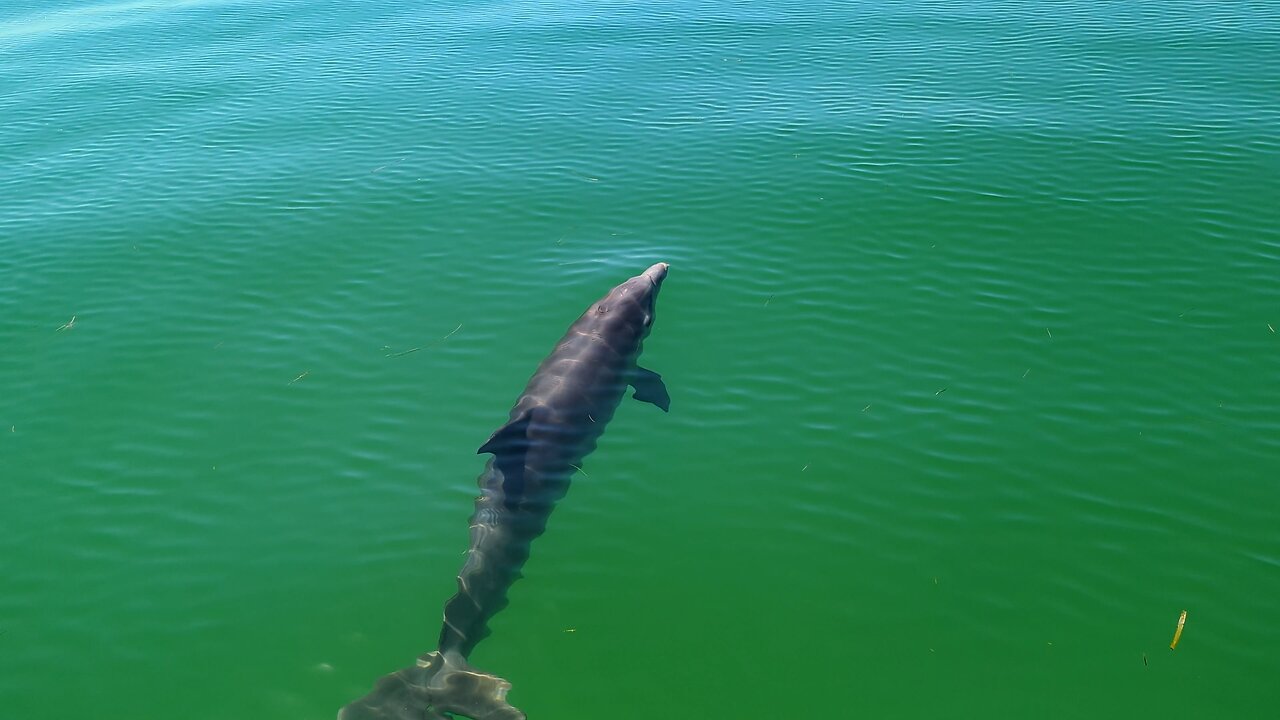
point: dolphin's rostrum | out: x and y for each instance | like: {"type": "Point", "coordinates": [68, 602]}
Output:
{"type": "Point", "coordinates": [555, 423]}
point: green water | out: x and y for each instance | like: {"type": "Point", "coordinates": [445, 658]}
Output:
{"type": "Point", "coordinates": [970, 333]}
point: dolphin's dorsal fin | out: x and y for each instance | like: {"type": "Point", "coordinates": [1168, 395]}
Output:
{"type": "Point", "coordinates": [650, 388]}
{"type": "Point", "coordinates": [512, 436]}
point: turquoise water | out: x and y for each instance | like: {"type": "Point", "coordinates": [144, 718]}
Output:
{"type": "Point", "coordinates": [970, 333]}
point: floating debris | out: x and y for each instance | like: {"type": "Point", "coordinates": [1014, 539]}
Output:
{"type": "Point", "coordinates": [1177, 634]}
{"type": "Point", "coordinates": [428, 347]}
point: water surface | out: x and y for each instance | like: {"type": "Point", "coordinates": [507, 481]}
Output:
{"type": "Point", "coordinates": [970, 333]}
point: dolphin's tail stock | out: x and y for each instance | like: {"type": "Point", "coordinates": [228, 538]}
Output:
{"type": "Point", "coordinates": [437, 688]}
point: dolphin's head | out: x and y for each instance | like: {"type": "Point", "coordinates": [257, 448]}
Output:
{"type": "Point", "coordinates": [633, 302]}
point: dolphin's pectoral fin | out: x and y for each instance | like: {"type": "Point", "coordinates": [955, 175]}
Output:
{"type": "Point", "coordinates": [514, 436]}
{"type": "Point", "coordinates": [650, 388]}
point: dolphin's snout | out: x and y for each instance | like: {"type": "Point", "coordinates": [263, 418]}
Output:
{"type": "Point", "coordinates": [657, 272]}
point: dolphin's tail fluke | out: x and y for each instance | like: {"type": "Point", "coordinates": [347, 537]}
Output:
{"type": "Point", "coordinates": [437, 688]}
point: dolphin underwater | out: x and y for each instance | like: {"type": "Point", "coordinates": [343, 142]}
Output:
{"type": "Point", "coordinates": [553, 426]}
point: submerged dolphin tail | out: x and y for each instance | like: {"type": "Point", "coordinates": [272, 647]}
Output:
{"type": "Point", "coordinates": [437, 688]}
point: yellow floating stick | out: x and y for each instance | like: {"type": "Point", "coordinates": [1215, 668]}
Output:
{"type": "Point", "coordinates": [1177, 634]}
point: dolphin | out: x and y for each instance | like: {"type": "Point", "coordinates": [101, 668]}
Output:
{"type": "Point", "coordinates": [556, 422]}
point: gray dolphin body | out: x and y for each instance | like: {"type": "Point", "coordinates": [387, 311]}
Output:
{"type": "Point", "coordinates": [553, 426]}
